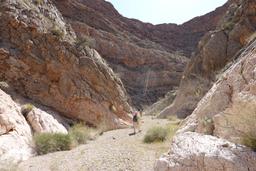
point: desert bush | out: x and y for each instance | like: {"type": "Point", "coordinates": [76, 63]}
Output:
{"type": "Point", "coordinates": [25, 109]}
{"type": "Point", "coordinates": [208, 125]}
{"type": "Point", "coordinates": [79, 134]}
{"type": "Point", "coordinates": [85, 41]}
{"type": "Point", "coordinates": [174, 119]}
{"type": "Point", "coordinates": [156, 134]}
{"type": "Point", "coordinates": [57, 32]}
{"type": "Point", "coordinates": [249, 141]}
{"type": "Point", "coordinates": [39, 2]}
{"type": "Point", "coordinates": [51, 142]}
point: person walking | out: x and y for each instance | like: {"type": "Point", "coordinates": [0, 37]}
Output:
{"type": "Point", "coordinates": [135, 121]}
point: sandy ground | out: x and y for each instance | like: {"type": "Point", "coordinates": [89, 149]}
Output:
{"type": "Point", "coordinates": [113, 151]}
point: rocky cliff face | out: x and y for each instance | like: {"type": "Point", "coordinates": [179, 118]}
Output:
{"type": "Point", "coordinates": [214, 51]}
{"type": "Point", "coordinates": [228, 112]}
{"type": "Point", "coordinates": [42, 59]}
{"type": "Point", "coordinates": [149, 59]}
{"type": "Point", "coordinates": [211, 138]}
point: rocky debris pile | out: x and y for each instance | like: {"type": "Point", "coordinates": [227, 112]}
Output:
{"type": "Point", "coordinates": [215, 50]}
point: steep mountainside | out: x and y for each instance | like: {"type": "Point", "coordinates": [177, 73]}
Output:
{"type": "Point", "coordinates": [220, 133]}
{"type": "Point", "coordinates": [214, 51]}
{"type": "Point", "coordinates": [41, 59]}
{"type": "Point", "coordinates": [149, 59]}
{"type": "Point", "coordinates": [227, 115]}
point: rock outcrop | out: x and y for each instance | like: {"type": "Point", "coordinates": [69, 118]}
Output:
{"type": "Point", "coordinates": [215, 50]}
{"type": "Point", "coordinates": [15, 133]}
{"type": "Point", "coordinates": [192, 151]}
{"type": "Point", "coordinates": [17, 128]}
{"type": "Point", "coordinates": [149, 59]}
{"type": "Point", "coordinates": [42, 121]}
{"type": "Point", "coordinates": [43, 60]}
{"type": "Point", "coordinates": [210, 138]}
{"type": "Point", "coordinates": [230, 103]}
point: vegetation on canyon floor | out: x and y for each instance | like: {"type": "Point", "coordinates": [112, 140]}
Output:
{"type": "Point", "coordinates": [52, 142]}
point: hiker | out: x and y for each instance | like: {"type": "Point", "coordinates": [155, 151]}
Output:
{"type": "Point", "coordinates": [135, 121]}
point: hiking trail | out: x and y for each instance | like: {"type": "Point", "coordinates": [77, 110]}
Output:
{"type": "Point", "coordinates": [113, 151]}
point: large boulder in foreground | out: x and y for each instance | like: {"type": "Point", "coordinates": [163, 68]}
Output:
{"type": "Point", "coordinates": [193, 152]}
{"type": "Point", "coordinates": [42, 59]}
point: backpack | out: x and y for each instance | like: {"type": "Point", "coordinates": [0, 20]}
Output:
{"type": "Point", "coordinates": [135, 118]}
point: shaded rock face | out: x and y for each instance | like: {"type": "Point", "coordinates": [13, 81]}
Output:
{"type": "Point", "coordinates": [192, 151]}
{"type": "Point", "coordinates": [215, 50]}
{"type": "Point", "coordinates": [149, 59]}
{"type": "Point", "coordinates": [40, 59]}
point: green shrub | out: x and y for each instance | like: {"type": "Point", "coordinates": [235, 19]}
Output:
{"type": "Point", "coordinates": [174, 119]}
{"type": "Point", "coordinates": [208, 125]}
{"type": "Point", "coordinates": [51, 142]}
{"type": "Point", "coordinates": [249, 141]}
{"type": "Point", "coordinates": [25, 109]}
{"type": "Point", "coordinates": [79, 134]}
{"type": "Point", "coordinates": [39, 2]}
{"type": "Point", "coordinates": [57, 32]}
{"type": "Point", "coordinates": [156, 134]}
{"type": "Point", "coordinates": [85, 41]}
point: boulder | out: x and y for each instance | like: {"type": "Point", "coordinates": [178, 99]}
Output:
{"type": "Point", "coordinates": [193, 151]}
{"type": "Point", "coordinates": [42, 121]}
{"type": "Point", "coordinates": [15, 133]}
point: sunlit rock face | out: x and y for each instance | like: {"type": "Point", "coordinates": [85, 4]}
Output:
{"type": "Point", "coordinates": [229, 106]}
{"type": "Point", "coordinates": [20, 119]}
{"type": "Point", "coordinates": [215, 135]}
{"type": "Point", "coordinates": [149, 59]}
{"type": "Point", "coordinates": [214, 51]}
{"type": "Point", "coordinates": [192, 151]}
{"type": "Point", "coordinates": [15, 133]}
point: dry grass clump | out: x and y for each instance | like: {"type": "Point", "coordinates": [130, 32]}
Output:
{"type": "Point", "coordinates": [52, 142]}
{"type": "Point", "coordinates": [80, 134]}
{"type": "Point", "coordinates": [249, 141]}
{"type": "Point", "coordinates": [160, 134]}
{"type": "Point", "coordinates": [25, 109]}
